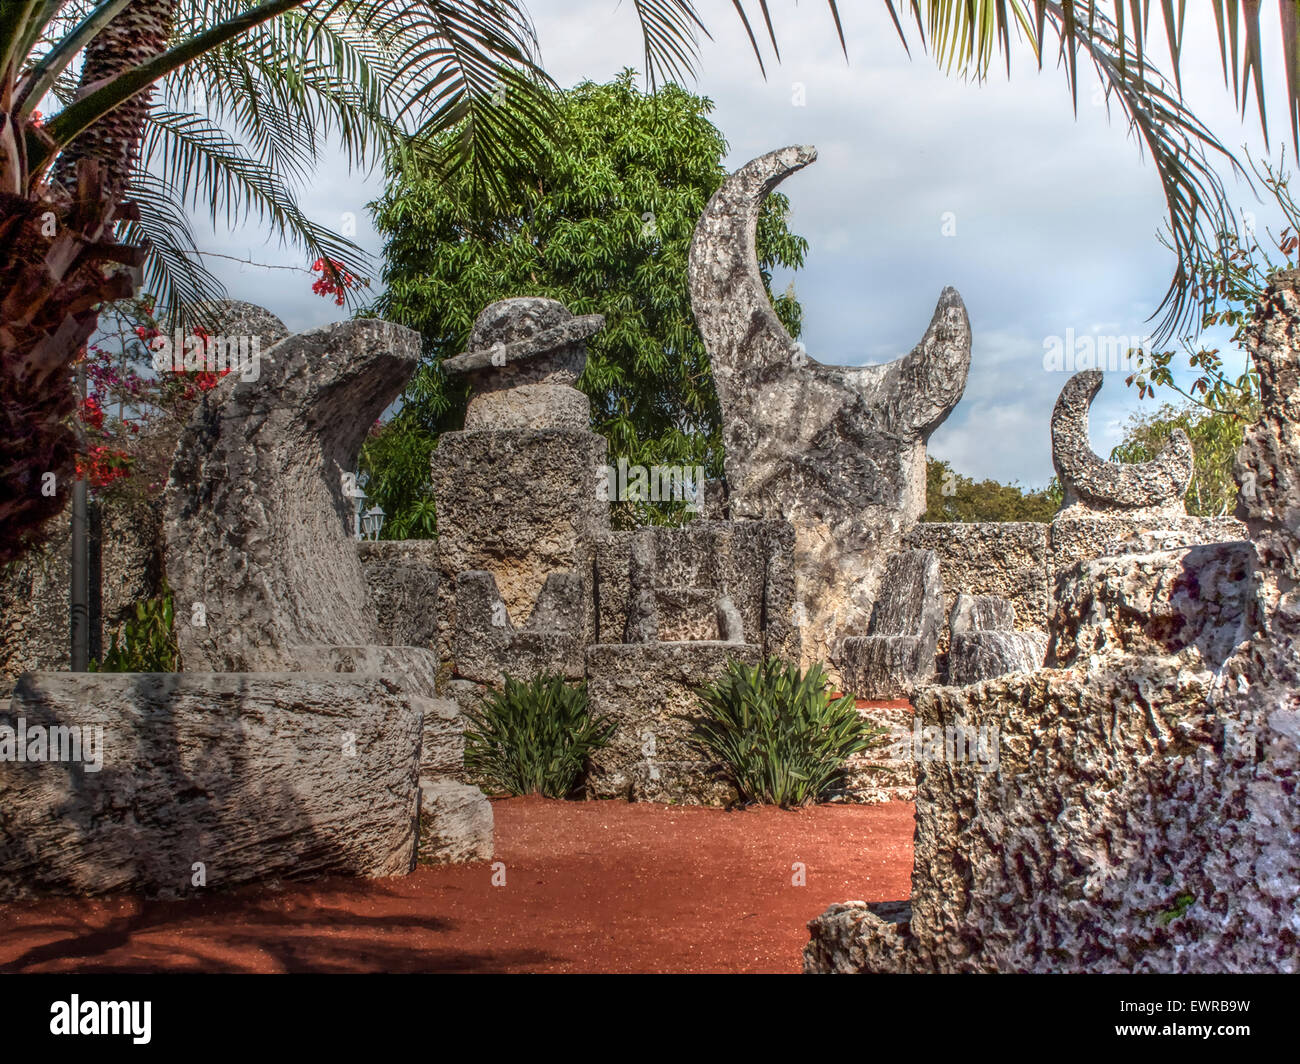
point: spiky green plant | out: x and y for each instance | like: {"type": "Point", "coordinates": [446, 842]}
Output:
{"type": "Point", "coordinates": [535, 737]}
{"type": "Point", "coordinates": [781, 737]}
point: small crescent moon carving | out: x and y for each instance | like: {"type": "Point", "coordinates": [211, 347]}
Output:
{"type": "Point", "coordinates": [1103, 485]}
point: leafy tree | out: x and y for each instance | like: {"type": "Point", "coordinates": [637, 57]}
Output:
{"type": "Point", "coordinates": [1216, 437]}
{"type": "Point", "coordinates": [604, 226]}
{"type": "Point", "coordinates": [953, 497]}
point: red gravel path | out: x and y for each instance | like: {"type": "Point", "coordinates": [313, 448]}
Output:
{"type": "Point", "coordinates": [590, 887]}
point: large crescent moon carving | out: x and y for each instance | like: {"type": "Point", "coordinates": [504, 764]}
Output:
{"type": "Point", "coordinates": [1103, 485]}
{"type": "Point", "coordinates": [745, 339]}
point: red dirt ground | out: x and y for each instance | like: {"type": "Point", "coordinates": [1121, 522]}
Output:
{"type": "Point", "coordinates": [590, 887]}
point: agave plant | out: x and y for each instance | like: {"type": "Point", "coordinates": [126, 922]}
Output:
{"type": "Point", "coordinates": [781, 737]}
{"type": "Point", "coordinates": [534, 737]}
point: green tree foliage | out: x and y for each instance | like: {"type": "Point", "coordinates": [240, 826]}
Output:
{"type": "Point", "coordinates": [953, 497]}
{"type": "Point", "coordinates": [604, 226]}
{"type": "Point", "coordinates": [1215, 438]}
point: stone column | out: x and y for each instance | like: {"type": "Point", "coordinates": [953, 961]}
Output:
{"type": "Point", "coordinates": [518, 490]}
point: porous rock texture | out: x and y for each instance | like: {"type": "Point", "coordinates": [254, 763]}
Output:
{"type": "Point", "coordinates": [255, 777]}
{"type": "Point", "coordinates": [897, 654]}
{"type": "Point", "coordinates": [456, 823]}
{"type": "Point", "coordinates": [886, 770]}
{"type": "Point", "coordinates": [665, 583]}
{"type": "Point", "coordinates": [1143, 816]}
{"type": "Point", "coordinates": [1076, 535]}
{"type": "Point", "coordinates": [518, 497]}
{"type": "Point", "coordinates": [983, 642]}
{"type": "Point", "coordinates": [125, 566]}
{"type": "Point", "coordinates": [519, 504]}
{"type": "Point", "coordinates": [525, 356]}
{"type": "Point", "coordinates": [488, 646]}
{"type": "Point", "coordinates": [976, 656]}
{"type": "Point", "coordinates": [1092, 484]}
{"type": "Point", "coordinates": [455, 820]}
{"type": "Point", "coordinates": [649, 691]}
{"type": "Point", "coordinates": [1187, 604]}
{"type": "Point", "coordinates": [256, 510]}
{"type": "Point", "coordinates": [402, 577]}
{"type": "Point", "coordinates": [232, 318]}
{"type": "Point", "coordinates": [838, 451]}
{"type": "Point", "coordinates": [1009, 559]}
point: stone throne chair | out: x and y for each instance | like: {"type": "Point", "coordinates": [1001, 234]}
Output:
{"type": "Point", "coordinates": [983, 641]}
{"type": "Point", "coordinates": [677, 605]}
{"type": "Point", "coordinates": [897, 655]}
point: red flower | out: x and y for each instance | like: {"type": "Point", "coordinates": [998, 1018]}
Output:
{"type": "Point", "coordinates": [335, 285]}
{"type": "Point", "coordinates": [92, 413]}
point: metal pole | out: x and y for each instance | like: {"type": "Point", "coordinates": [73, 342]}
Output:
{"type": "Point", "coordinates": [80, 591]}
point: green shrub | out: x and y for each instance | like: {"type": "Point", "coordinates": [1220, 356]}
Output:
{"type": "Point", "coordinates": [534, 737]}
{"type": "Point", "coordinates": [146, 642]}
{"type": "Point", "coordinates": [782, 739]}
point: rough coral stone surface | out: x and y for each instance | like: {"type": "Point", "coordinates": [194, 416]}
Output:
{"type": "Point", "coordinates": [885, 771]}
{"type": "Point", "coordinates": [255, 777]}
{"type": "Point", "coordinates": [1143, 815]}
{"type": "Point", "coordinates": [1188, 604]}
{"type": "Point", "coordinates": [257, 513]}
{"type": "Point", "coordinates": [839, 451]}
{"type": "Point", "coordinates": [1008, 559]}
{"type": "Point", "coordinates": [1076, 536]}
{"type": "Point", "coordinates": [981, 613]}
{"type": "Point", "coordinates": [1093, 484]}
{"type": "Point", "coordinates": [898, 653]}
{"type": "Point", "coordinates": [664, 583]}
{"type": "Point", "coordinates": [649, 691]}
{"type": "Point", "coordinates": [519, 504]}
{"type": "Point", "coordinates": [981, 655]}
{"type": "Point", "coordinates": [456, 823]}
{"type": "Point", "coordinates": [233, 318]}
{"type": "Point", "coordinates": [125, 565]}
{"type": "Point", "coordinates": [489, 647]}
{"type": "Point", "coordinates": [402, 578]}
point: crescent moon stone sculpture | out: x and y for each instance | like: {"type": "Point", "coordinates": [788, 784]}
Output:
{"type": "Point", "coordinates": [1093, 485]}
{"type": "Point", "coordinates": [839, 451]}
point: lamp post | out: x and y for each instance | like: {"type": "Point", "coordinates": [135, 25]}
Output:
{"type": "Point", "coordinates": [79, 592]}
{"type": "Point", "coordinates": [366, 524]}
{"type": "Point", "coordinates": [372, 522]}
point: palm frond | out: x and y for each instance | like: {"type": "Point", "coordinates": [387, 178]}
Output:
{"type": "Point", "coordinates": [171, 271]}
{"type": "Point", "coordinates": [191, 154]}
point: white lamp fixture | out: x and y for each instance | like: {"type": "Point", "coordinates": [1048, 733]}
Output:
{"type": "Point", "coordinates": [372, 522]}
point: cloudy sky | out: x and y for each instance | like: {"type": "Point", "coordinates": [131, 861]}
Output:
{"type": "Point", "coordinates": [1056, 217]}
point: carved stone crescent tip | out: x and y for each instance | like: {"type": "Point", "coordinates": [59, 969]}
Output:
{"type": "Point", "coordinates": [767, 382]}
{"type": "Point", "coordinates": [1096, 484]}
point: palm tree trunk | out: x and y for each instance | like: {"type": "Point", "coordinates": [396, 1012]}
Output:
{"type": "Point", "coordinates": [139, 33]}
{"type": "Point", "coordinates": [59, 241]}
